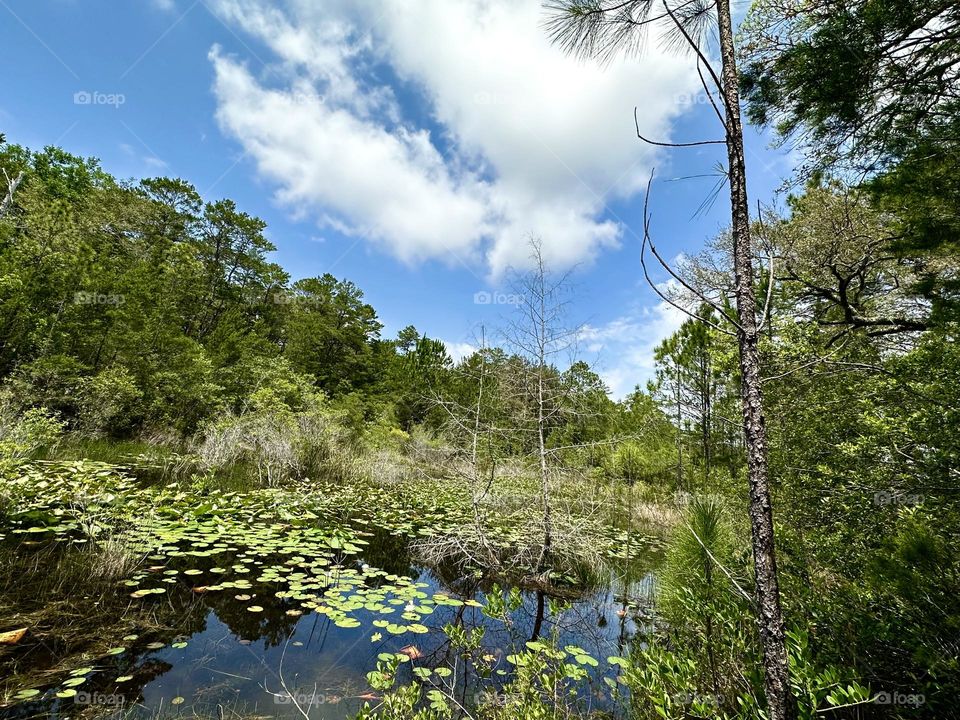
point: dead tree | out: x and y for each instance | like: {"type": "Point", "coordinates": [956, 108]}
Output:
{"type": "Point", "coordinates": [539, 335]}
{"type": "Point", "coordinates": [12, 185]}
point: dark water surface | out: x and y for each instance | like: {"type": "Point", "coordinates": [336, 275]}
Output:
{"type": "Point", "coordinates": [210, 656]}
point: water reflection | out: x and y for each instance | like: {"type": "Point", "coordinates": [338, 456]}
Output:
{"type": "Point", "coordinates": [213, 653]}
{"type": "Point", "coordinates": [237, 662]}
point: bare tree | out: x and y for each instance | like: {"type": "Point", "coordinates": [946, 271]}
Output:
{"type": "Point", "coordinates": [474, 421]}
{"type": "Point", "coordinates": [537, 334]}
{"type": "Point", "coordinates": [12, 185]}
{"type": "Point", "coordinates": [515, 401]}
{"type": "Point", "coordinates": [602, 28]}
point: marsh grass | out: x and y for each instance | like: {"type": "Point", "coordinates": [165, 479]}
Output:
{"type": "Point", "coordinates": [64, 595]}
{"type": "Point", "coordinates": [594, 524]}
{"type": "Point", "coordinates": [276, 447]}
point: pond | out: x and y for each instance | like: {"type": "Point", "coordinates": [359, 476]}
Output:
{"type": "Point", "coordinates": [291, 621]}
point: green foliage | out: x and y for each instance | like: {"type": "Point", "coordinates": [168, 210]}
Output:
{"type": "Point", "coordinates": [858, 75]}
{"type": "Point", "coordinates": [24, 435]}
{"type": "Point", "coordinates": [111, 403]}
{"type": "Point", "coordinates": [699, 558]}
{"type": "Point", "coordinates": [546, 684]}
{"type": "Point", "coordinates": [868, 85]}
{"type": "Point", "coordinates": [665, 682]}
{"type": "Point", "coordinates": [634, 461]}
{"type": "Point", "coordinates": [329, 331]}
{"type": "Point", "coordinates": [163, 306]}
{"type": "Point", "coordinates": [696, 387]}
{"type": "Point", "coordinates": [54, 382]}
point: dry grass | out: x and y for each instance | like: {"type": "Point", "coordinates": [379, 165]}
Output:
{"type": "Point", "coordinates": [65, 597]}
{"type": "Point", "coordinates": [506, 536]}
{"type": "Point", "coordinates": [274, 447]}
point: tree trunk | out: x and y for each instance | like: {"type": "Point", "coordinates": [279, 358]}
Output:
{"type": "Point", "coordinates": [12, 186]}
{"type": "Point", "coordinates": [676, 394]}
{"type": "Point", "coordinates": [544, 469]}
{"type": "Point", "coordinates": [780, 702]}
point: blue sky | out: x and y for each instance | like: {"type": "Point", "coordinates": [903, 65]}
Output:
{"type": "Point", "coordinates": [410, 152]}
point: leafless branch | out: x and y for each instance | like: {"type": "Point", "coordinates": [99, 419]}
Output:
{"type": "Point", "coordinates": [636, 121]}
{"type": "Point", "coordinates": [648, 241]}
{"type": "Point", "coordinates": [12, 186]}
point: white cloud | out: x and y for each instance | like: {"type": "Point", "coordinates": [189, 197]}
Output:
{"type": "Point", "coordinates": [151, 161]}
{"type": "Point", "coordinates": [393, 187]}
{"type": "Point", "coordinates": [165, 5]}
{"type": "Point", "coordinates": [459, 350]}
{"type": "Point", "coordinates": [626, 345]}
{"type": "Point", "coordinates": [520, 139]}
{"type": "Point", "coordinates": [154, 162]}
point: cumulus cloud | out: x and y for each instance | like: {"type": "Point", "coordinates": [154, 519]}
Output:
{"type": "Point", "coordinates": [518, 139]}
{"type": "Point", "coordinates": [392, 187]}
{"type": "Point", "coordinates": [459, 350]}
{"type": "Point", "coordinates": [627, 345]}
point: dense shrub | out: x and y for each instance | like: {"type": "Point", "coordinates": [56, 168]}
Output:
{"type": "Point", "coordinates": [24, 434]}
{"type": "Point", "coordinates": [111, 403]}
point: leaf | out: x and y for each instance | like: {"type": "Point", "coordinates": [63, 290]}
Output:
{"type": "Point", "coordinates": [411, 651]}
{"type": "Point", "coordinates": [12, 637]}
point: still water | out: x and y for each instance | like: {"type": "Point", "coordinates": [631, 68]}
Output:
{"type": "Point", "coordinates": [247, 652]}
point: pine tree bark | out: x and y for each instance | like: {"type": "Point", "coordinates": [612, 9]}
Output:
{"type": "Point", "coordinates": [780, 702]}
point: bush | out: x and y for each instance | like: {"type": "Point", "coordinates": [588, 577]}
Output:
{"type": "Point", "coordinates": [53, 382]}
{"type": "Point", "coordinates": [276, 445]}
{"type": "Point", "coordinates": [638, 462]}
{"type": "Point", "coordinates": [184, 394]}
{"type": "Point", "coordinates": [262, 382]}
{"type": "Point", "coordinates": [110, 403]}
{"type": "Point", "coordinates": [325, 449]}
{"type": "Point", "coordinates": [24, 435]}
